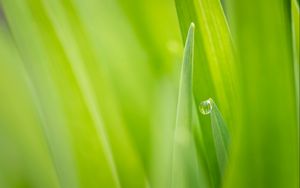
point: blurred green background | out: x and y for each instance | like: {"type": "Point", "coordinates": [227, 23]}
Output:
{"type": "Point", "coordinates": [90, 93]}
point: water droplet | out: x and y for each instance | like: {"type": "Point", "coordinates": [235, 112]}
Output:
{"type": "Point", "coordinates": [206, 106]}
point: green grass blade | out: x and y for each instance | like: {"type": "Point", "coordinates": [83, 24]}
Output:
{"type": "Point", "coordinates": [144, 21]}
{"type": "Point", "coordinates": [220, 132]}
{"type": "Point", "coordinates": [296, 50]}
{"type": "Point", "coordinates": [66, 36]}
{"type": "Point", "coordinates": [295, 24]}
{"type": "Point", "coordinates": [266, 152]}
{"type": "Point", "coordinates": [25, 159]}
{"type": "Point", "coordinates": [59, 50]}
{"type": "Point", "coordinates": [112, 133]}
{"type": "Point", "coordinates": [55, 132]}
{"type": "Point", "coordinates": [215, 70]}
{"type": "Point", "coordinates": [126, 91]}
{"type": "Point", "coordinates": [163, 141]}
{"type": "Point", "coordinates": [296, 44]}
{"type": "Point", "coordinates": [185, 172]}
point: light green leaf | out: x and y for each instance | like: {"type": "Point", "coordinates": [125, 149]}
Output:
{"type": "Point", "coordinates": [46, 104]}
{"type": "Point", "coordinates": [70, 87]}
{"type": "Point", "coordinates": [220, 132]}
{"type": "Point", "coordinates": [25, 160]}
{"type": "Point", "coordinates": [265, 154]}
{"type": "Point", "coordinates": [185, 169]}
{"type": "Point", "coordinates": [296, 43]}
{"type": "Point", "coordinates": [215, 70]}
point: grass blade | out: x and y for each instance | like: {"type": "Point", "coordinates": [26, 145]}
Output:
{"type": "Point", "coordinates": [219, 130]}
{"type": "Point", "coordinates": [185, 170]}
{"type": "Point", "coordinates": [215, 72]}
{"type": "Point", "coordinates": [296, 44]}
{"type": "Point", "coordinates": [267, 151]}
{"type": "Point", "coordinates": [55, 131]}
{"type": "Point", "coordinates": [60, 35]}
{"type": "Point", "coordinates": [25, 158]}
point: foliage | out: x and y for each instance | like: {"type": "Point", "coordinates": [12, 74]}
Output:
{"type": "Point", "coordinates": [173, 93]}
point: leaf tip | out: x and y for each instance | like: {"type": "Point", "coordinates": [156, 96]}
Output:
{"type": "Point", "coordinates": [192, 26]}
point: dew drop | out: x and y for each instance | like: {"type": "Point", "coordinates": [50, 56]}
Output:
{"type": "Point", "coordinates": [206, 106]}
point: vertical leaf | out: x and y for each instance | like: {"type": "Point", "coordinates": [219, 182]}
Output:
{"type": "Point", "coordinates": [215, 70]}
{"type": "Point", "coordinates": [266, 152]}
{"type": "Point", "coordinates": [220, 133]}
{"type": "Point", "coordinates": [185, 170]}
{"type": "Point", "coordinates": [296, 49]}
{"type": "Point", "coordinates": [221, 136]}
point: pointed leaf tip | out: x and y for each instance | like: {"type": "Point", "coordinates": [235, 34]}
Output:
{"type": "Point", "coordinates": [184, 150]}
{"type": "Point", "coordinates": [190, 34]}
{"type": "Point", "coordinates": [192, 26]}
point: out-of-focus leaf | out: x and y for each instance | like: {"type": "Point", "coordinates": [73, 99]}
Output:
{"type": "Point", "coordinates": [163, 135]}
{"type": "Point", "coordinates": [126, 88]}
{"type": "Point", "coordinates": [163, 45]}
{"type": "Point", "coordinates": [296, 43]}
{"type": "Point", "coordinates": [265, 153]}
{"type": "Point", "coordinates": [42, 90]}
{"type": "Point", "coordinates": [54, 63]}
{"type": "Point", "coordinates": [25, 160]}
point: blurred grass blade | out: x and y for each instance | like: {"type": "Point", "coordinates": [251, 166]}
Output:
{"type": "Point", "coordinates": [163, 135]}
{"type": "Point", "coordinates": [219, 130]}
{"type": "Point", "coordinates": [184, 169]}
{"type": "Point", "coordinates": [31, 51]}
{"type": "Point", "coordinates": [296, 43]}
{"type": "Point", "coordinates": [25, 159]}
{"type": "Point", "coordinates": [295, 24]}
{"type": "Point", "coordinates": [144, 21]}
{"type": "Point", "coordinates": [269, 135]}
{"type": "Point", "coordinates": [215, 70]}
{"type": "Point", "coordinates": [110, 62]}
{"type": "Point", "coordinates": [296, 50]}
{"type": "Point", "coordinates": [55, 10]}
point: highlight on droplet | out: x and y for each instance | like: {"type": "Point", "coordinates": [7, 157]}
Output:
{"type": "Point", "coordinates": [206, 106]}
